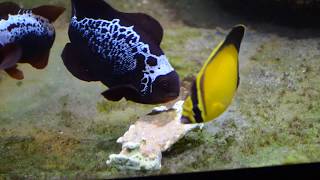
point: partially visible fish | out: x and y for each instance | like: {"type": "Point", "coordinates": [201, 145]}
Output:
{"type": "Point", "coordinates": [122, 50]}
{"type": "Point", "coordinates": [217, 82]}
{"type": "Point", "coordinates": [26, 36]}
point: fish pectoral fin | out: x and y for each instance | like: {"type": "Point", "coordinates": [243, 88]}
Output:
{"type": "Point", "coordinates": [12, 54]}
{"type": "Point", "coordinates": [49, 12]}
{"type": "Point", "coordinates": [75, 63]}
{"type": "Point", "coordinates": [150, 25]}
{"type": "Point", "coordinates": [15, 73]}
{"type": "Point", "coordinates": [7, 8]}
{"type": "Point", "coordinates": [119, 92]}
{"type": "Point", "coordinates": [40, 61]}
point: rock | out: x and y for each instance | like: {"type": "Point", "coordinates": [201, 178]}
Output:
{"type": "Point", "coordinates": [144, 142]}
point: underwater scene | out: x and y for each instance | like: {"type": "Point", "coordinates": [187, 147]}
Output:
{"type": "Point", "coordinates": [122, 88]}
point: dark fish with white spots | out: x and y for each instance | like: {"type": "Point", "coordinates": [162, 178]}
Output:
{"type": "Point", "coordinates": [121, 50]}
{"type": "Point", "coordinates": [26, 36]}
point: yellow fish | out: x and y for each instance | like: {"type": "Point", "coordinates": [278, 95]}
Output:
{"type": "Point", "coordinates": [217, 82]}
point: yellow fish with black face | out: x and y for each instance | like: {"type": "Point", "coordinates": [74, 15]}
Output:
{"type": "Point", "coordinates": [217, 82]}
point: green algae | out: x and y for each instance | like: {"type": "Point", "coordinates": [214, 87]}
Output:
{"type": "Point", "coordinates": [280, 117]}
{"type": "Point", "coordinates": [277, 116]}
{"type": "Point", "coordinates": [54, 125]}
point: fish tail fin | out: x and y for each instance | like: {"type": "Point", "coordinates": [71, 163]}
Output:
{"type": "Point", "coordinates": [9, 55]}
{"type": "Point", "coordinates": [235, 36]}
{"type": "Point", "coordinates": [8, 8]}
{"type": "Point", "coordinates": [50, 12]}
{"type": "Point", "coordinates": [91, 8]}
{"type": "Point", "coordinates": [15, 73]}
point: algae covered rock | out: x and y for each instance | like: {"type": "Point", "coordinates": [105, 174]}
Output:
{"type": "Point", "coordinates": [151, 135]}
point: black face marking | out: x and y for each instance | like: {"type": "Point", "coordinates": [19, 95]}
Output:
{"type": "Point", "coordinates": [145, 50]}
{"type": "Point", "coordinates": [144, 81]}
{"type": "Point", "coordinates": [140, 57]}
{"type": "Point", "coordinates": [195, 102]}
{"type": "Point", "coordinates": [12, 26]}
{"type": "Point", "coordinates": [152, 61]}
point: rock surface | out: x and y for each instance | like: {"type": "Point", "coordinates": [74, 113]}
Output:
{"type": "Point", "coordinates": [144, 142]}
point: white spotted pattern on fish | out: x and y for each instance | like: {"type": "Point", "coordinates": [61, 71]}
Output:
{"type": "Point", "coordinates": [16, 27]}
{"type": "Point", "coordinates": [120, 46]}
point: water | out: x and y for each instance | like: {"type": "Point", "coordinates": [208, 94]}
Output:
{"type": "Point", "coordinates": [54, 125]}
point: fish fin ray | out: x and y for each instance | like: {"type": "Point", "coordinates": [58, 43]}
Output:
{"type": "Point", "coordinates": [119, 92]}
{"type": "Point", "coordinates": [40, 61]}
{"type": "Point", "coordinates": [11, 55]}
{"type": "Point", "coordinates": [150, 25]}
{"type": "Point", "coordinates": [7, 8]}
{"type": "Point", "coordinates": [235, 36]}
{"type": "Point", "coordinates": [74, 63]}
{"type": "Point", "coordinates": [98, 9]}
{"type": "Point", "coordinates": [15, 73]}
{"type": "Point", "coordinates": [92, 9]}
{"type": "Point", "coordinates": [49, 12]}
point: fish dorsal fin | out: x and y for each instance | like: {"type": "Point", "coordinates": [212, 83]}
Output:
{"type": "Point", "coordinates": [8, 8]}
{"type": "Point", "coordinates": [96, 9]}
{"type": "Point", "coordinates": [150, 25]}
{"type": "Point", "coordinates": [220, 74]}
{"type": "Point", "coordinates": [49, 12]}
{"type": "Point", "coordinates": [235, 38]}
{"type": "Point", "coordinates": [99, 9]}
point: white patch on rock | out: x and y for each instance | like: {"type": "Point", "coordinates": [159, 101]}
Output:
{"type": "Point", "coordinates": [144, 142]}
{"type": "Point", "coordinates": [160, 109]}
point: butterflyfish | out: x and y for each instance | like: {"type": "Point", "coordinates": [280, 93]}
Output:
{"type": "Point", "coordinates": [217, 82]}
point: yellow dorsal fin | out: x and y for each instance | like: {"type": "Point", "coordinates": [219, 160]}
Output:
{"type": "Point", "coordinates": [234, 37]}
{"type": "Point", "coordinates": [230, 49]}
{"type": "Point", "coordinates": [217, 80]}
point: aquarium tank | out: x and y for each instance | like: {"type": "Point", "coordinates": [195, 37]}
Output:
{"type": "Point", "coordinates": [125, 88]}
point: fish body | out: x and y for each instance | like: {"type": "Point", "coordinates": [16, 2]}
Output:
{"type": "Point", "coordinates": [217, 82]}
{"type": "Point", "coordinates": [26, 36]}
{"type": "Point", "coordinates": [122, 50]}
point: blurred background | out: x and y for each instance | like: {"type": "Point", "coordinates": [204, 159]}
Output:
{"type": "Point", "coordinates": [54, 125]}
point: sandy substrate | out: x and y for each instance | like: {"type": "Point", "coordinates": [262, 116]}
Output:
{"type": "Point", "coordinates": [52, 124]}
